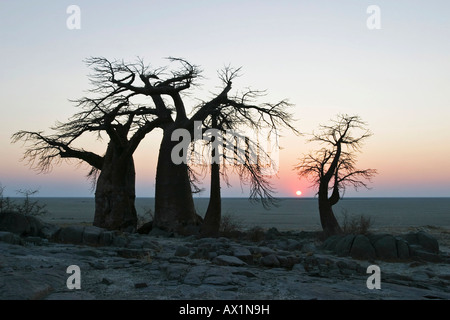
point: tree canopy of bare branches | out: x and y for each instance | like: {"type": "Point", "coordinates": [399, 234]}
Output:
{"type": "Point", "coordinates": [126, 102]}
{"type": "Point", "coordinates": [333, 167]}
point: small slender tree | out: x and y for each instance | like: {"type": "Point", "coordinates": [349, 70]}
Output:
{"type": "Point", "coordinates": [248, 160]}
{"type": "Point", "coordinates": [333, 168]}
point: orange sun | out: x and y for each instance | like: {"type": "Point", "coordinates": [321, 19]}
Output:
{"type": "Point", "coordinates": [299, 193]}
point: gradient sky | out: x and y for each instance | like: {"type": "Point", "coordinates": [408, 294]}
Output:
{"type": "Point", "coordinates": [318, 54]}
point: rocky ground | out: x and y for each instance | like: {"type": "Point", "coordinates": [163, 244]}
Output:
{"type": "Point", "coordinates": [281, 266]}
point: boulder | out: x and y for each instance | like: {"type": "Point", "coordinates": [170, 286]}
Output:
{"type": "Point", "coordinates": [428, 242]}
{"type": "Point", "coordinates": [244, 254]}
{"type": "Point", "coordinates": [403, 251]}
{"type": "Point", "coordinates": [72, 234]}
{"type": "Point", "coordinates": [270, 261]}
{"type": "Point", "coordinates": [423, 239]}
{"type": "Point", "coordinates": [386, 247]}
{"type": "Point", "coordinates": [362, 248]}
{"type": "Point", "coordinates": [344, 245]}
{"type": "Point", "coordinates": [288, 262]}
{"type": "Point", "coordinates": [91, 235]}
{"type": "Point", "coordinates": [331, 242]}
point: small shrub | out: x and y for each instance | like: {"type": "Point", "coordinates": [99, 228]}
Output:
{"type": "Point", "coordinates": [26, 207]}
{"type": "Point", "coordinates": [256, 234]}
{"type": "Point", "coordinates": [230, 226]}
{"type": "Point", "coordinates": [356, 224]}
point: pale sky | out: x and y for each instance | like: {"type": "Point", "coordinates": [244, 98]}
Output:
{"type": "Point", "coordinates": [319, 54]}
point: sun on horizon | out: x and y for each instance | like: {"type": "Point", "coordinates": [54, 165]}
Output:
{"type": "Point", "coordinates": [298, 193]}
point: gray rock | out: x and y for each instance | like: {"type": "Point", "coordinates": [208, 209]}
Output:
{"type": "Point", "coordinates": [91, 235]}
{"type": "Point", "coordinates": [362, 248]}
{"type": "Point", "coordinates": [424, 255]}
{"type": "Point", "coordinates": [182, 251]}
{"type": "Point", "coordinates": [425, 240]}
{"type": "Point", "coordinates": [106, 238]}
{"type": "Point", "coordinates": [344, 245]}
{"type": "Point", "coordinates": [72, 234]}
{"type": "Point", "coordinates": [224, 260]}
{"type": "Point", "coordinates": [212, 255]}
{"type": "Point", "coordinates": [386, 247]}
{"type": "Point", "coordinates": [265, 251]}
{"type": "Point", "coordinates": [176, 272]}
{"type": "Point", "coordinates": [308, 248]}
{"type": "Point", "coordinates": [294, 245]}
{"type": "Point", "coordinates": [244, 254]}
{"type": "Point", "coordinates": [10, 238]}
{"type": "Point", "coordinates": [149, 244]}
{"type": "Point", "coordinates": [195, 275]}
{"type": "Point", "coordinates": [403, 251]}
{"type": "Point", "coordinates": [298, 268]}
{"type": "Point", "coordinates": [331, 242]}
{"type": "Point", "coordinates": [428, 242]}
{"type": "Point", "coordinates": [284, 261]}
{"type": "Point", "coordinates": [136, 244]}
{"type": "Point", "coordinates": [270, 261]}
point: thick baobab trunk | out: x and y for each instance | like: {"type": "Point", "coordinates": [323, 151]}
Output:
{"type": "Point", "coordinates": [174, 204]}
{"type": "Point", "coordinates": [115, 193]}
{"type": "Point", "coordinates": [211, 223]}
{"type": "Point", "coordinates": [328, 221]}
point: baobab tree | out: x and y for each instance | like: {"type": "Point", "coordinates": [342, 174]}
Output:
{"type": "Point", "coordinates": [174, 205]}
{"type": "Point", "coordinates": [113, 173]}
{"type": "Point", "coordinates": [157, 95]}
{"type": "Point", "coordinates": [333, 168]}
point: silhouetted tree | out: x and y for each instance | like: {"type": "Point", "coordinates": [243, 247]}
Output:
{"type": "Point", "coordinates": [174, 205]}
{"type": "Point", "coordinates": [115, 84]}
{"type": "Point", "coordinates": [248, 160]}
{"type": "Point", "coordinates": [332, 168]}
{"type": "Point", "coordinates": [113, 174]}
